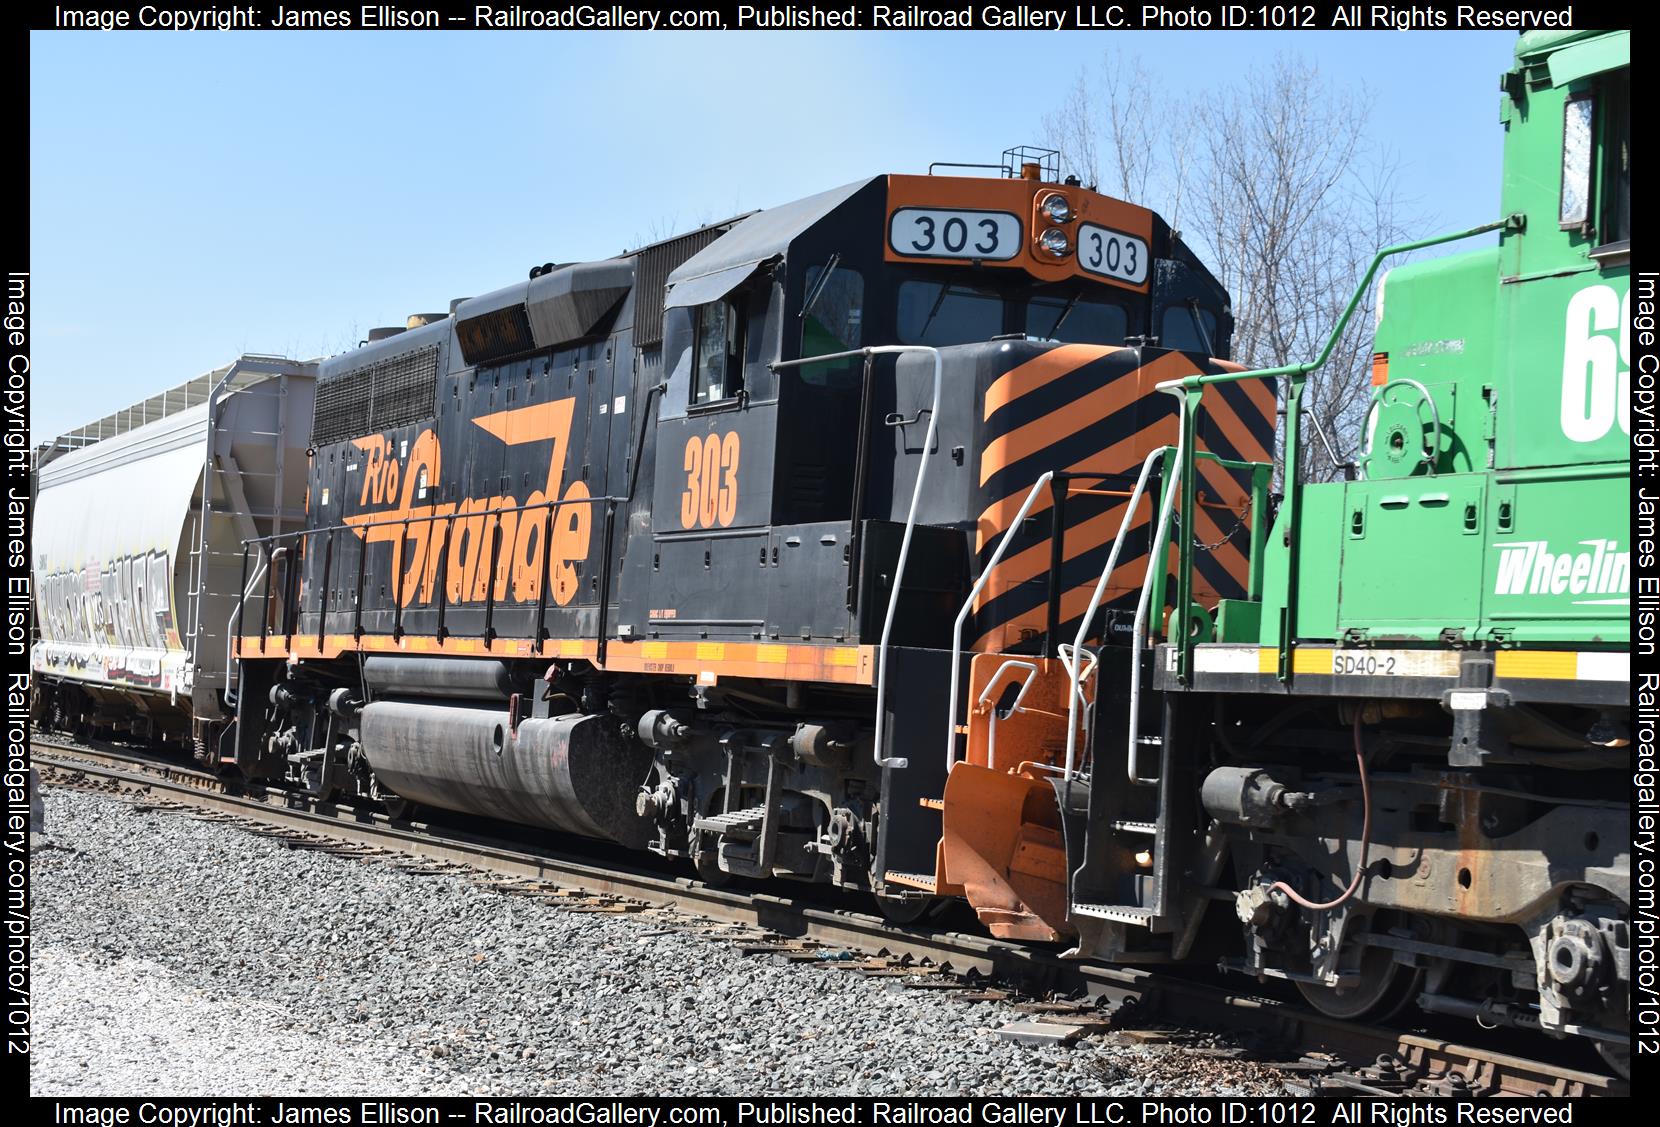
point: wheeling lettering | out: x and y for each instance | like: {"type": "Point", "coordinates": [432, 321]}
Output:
{"type": "Point", "coordinates": [462, 538]}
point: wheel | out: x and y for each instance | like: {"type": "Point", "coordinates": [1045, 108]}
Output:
{"type": "Point", "coordinates": [907, 910]}
{"type": "Point", "coordinates": [1386, 988]}
{"type": "Point", "coordinates": [397, 808]}
{"type": "Point", "coordinates": [706, 861]}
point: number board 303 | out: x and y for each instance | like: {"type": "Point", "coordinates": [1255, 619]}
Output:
{"type": "Point", "coordinates": [930, 232]}
{"type": "Point", "coordinates": [1112, 254]}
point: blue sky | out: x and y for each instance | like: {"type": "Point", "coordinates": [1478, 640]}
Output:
{"type": "Point", "coordinates": [195, 196]}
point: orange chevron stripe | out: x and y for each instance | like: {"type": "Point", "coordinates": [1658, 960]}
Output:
{"type": "Point", "coordinates": [1024, 441]}
{"type": "Point", "coordinates": [1127, 454]}
{"type": "Point", "coordinates": [1262, 394]}
{"type": "Point", "coordinates": [1126, 579]}
{"type": "Point", "coordinates": [1211, 526]}
{"type": "Point", "coordinates": [1233, 428]}
{"type": "Point", "coordinates": [1037, 372]}
{"type": "Point", "coordinates": [1042, 433]}
{"type": "Point", "coordinates": [1218, 487]}
{"type": "Point", "coordinates": [1085, 536]}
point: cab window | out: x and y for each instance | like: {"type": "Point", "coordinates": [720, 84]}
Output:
{"type": "Point", "coordinates": [1075, 320]}
{"type": "Point", "coordinates": [1596, 161]}
{"type": "Point", "coordinates": [1577, 116]}
{"type": "Point", "coordinates": [832, 320]}
{"type": "Point", "coordinates": [944, 313]}
{"type": "Point", "coordinates": [1187, 328]}
{"type": "Point", "coordinates": [718, 350]}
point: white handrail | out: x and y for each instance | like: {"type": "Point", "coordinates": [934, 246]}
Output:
{"type": "Point", "coordinates": [968, 605]}
{"type": "Point", "coordinates": [1074, 673]}
{"type": "Point", "coordinates": [986, 704]}
{"type": "Point", "coordinates": [910, 522]}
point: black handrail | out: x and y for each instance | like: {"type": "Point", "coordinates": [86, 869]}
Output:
{"type": "Point", "coordinates": [357, 616]}
{"type": "Point", "coordinates": [490, 579]}
{"type": "Point", "coordinates": [323, 610]}
{"type": "Point", "coordinates": [242, 602]}
{"type": "Point", "coordinates": [547, 576]}
{"type": "Point", "coordinates": [290, 594]}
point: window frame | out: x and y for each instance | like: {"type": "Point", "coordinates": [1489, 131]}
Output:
{"type": "Point", "coordinates": [1087, 294]}
{"type": "Point", "coordinates": [736, 307]}
{"type": "Point", "coordinates": [1006, 301]}
{"type": "Point", "coordinates": [1587, 222]}
{"type": "Point", "coordinates": [1605, 158]}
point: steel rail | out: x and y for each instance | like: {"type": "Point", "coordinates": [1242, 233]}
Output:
{"type": "Point", "coordinates": [1417, 1062]}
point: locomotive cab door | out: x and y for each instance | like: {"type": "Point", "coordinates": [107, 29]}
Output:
{"type": "Point", "coordinates": [712, 494]}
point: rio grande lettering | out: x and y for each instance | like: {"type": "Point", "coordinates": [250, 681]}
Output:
{"type": "Point", "coordinates": [459, 540]}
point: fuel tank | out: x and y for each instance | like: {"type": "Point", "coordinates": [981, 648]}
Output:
{"type": "Point", "coordinates": [577, 773]}
{"type": "Point", "coordinates": [468, 678]}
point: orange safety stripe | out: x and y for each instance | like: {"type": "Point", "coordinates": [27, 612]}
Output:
{"type": "Point", "coordinates": [1233, 428]}
{"type": "Point", "coordinates": [1066, 420]}
{"type": "Point", "coordinates": [1130, 450]}
{"type": "Point", "coordinates": [843, 664]}
{"type": "Point", "coordinates": [1039, 372]}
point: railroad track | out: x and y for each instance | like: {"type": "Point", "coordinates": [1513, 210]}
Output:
{"type": "Point", "coordinates": [1326, 1056]}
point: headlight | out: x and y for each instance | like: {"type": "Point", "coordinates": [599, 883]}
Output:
{"type": "Point", "coordinates": [1056, 208]}
{"type": "Point", "coordinates": [1055, 242]}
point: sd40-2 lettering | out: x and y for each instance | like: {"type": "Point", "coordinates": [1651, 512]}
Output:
{"type": "Point", "coordinates": [1364, 665]}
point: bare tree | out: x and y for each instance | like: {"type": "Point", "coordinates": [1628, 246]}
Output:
{"type": "Point", "coordinates": [1107, 107]}
{"type": "Point", "coordinates": [1070, 130]}
{"type": "Point", "coordinates": [1283, 196]}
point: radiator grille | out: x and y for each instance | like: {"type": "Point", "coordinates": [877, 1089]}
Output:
{"type": "Point", "coordinates": [376, 397]}
{"type": "Point", "coordinates": [655, 265]}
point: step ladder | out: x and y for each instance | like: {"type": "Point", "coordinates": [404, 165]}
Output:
{"type": "Point", "coordinates": [745, 824]}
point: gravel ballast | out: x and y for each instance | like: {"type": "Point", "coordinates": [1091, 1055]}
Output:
{"type": "Point", "coordinates": [175, 956]}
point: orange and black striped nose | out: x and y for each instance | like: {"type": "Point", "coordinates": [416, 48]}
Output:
{"type": "Point", "coordinates": [1092, 414]}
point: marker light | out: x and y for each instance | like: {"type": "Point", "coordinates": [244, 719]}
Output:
{"type": "Point", "coordinates": [1056, 208]}
{"type": "Point", "coordinates": [1055, 242]}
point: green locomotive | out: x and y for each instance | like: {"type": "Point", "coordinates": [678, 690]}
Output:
{"type": "Point", "coordinates": [1410, 744]}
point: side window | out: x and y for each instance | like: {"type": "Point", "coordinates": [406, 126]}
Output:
{"type": "Point", "coordinates": [1577, 117]}
{"type": "Point", "coordinates": [1074, 321]}
{"type": "Point", "coordinates": [941, 313]}
{"type": "Point", "coordinates": [718, 350]}
{"type": "Point", "coordinates": [1596, 161]}
{"type": "Point", "coordinates": [1179, 330]}
{"type": "Point", "coordinates": [832, 320]}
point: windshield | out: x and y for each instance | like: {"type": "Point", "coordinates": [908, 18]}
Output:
{"type": "Point", "coordinates": [1075, 320]}
{"type": "Point", "coordinates": [943, 313]}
